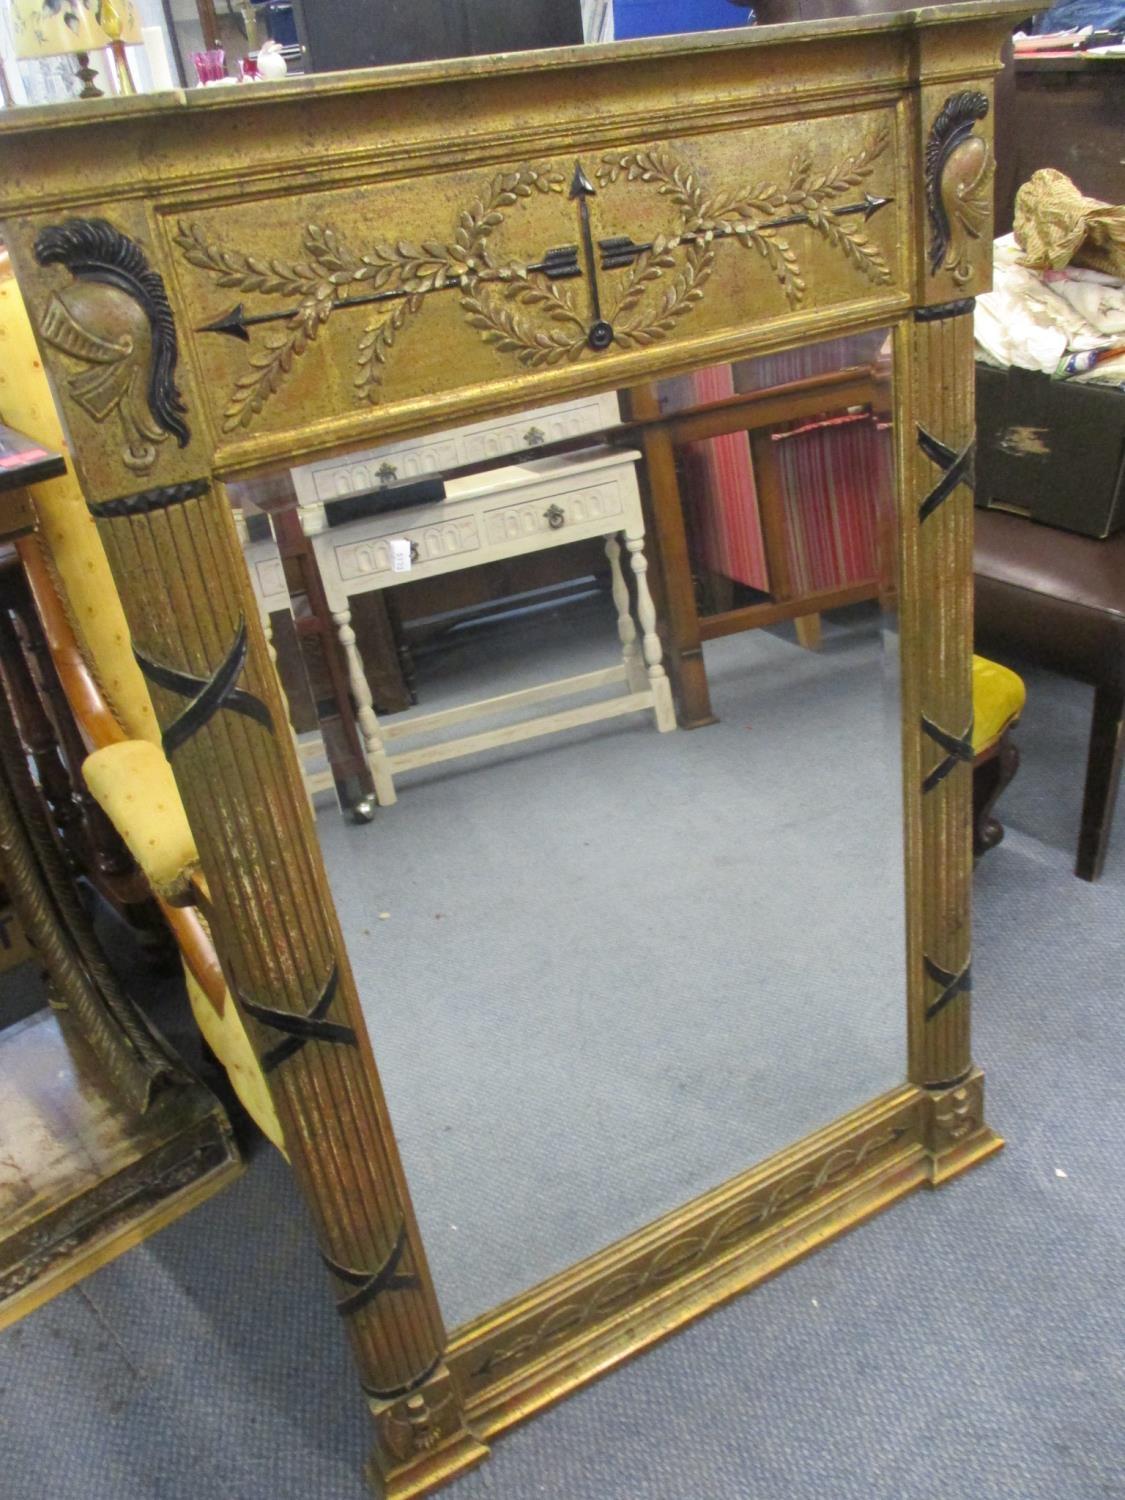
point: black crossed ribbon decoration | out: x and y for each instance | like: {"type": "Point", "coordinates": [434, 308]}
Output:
{"type": "Point", "coordinates": [952, 985]}
{"type": "Point", "coordinates": [298, 1029]}
{"type": "Point", "coordinates": [404, 1390]}
{"type": "Point", "coordinates": [208, 694]}
{"type": "Point", "coordinates": [959, 751]}
{"type": "Point", "coordinates": [958, 469]}
{"type": "Point", "coordinates": [943, 310]}
{"type": "Point", "coordinates": [369, 1284]}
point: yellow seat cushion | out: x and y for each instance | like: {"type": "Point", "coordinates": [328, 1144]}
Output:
{"type": "Point", "coordinates": [69, 533]}
{"type": "Point", "coordinates": [227, 1039]}
{"type": "Point", "coordinates": [998, 697]}
{"type": "Point", "coordinates": [133, 784]}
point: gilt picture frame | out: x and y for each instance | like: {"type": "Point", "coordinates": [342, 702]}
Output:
{"type": "Point", "coordinates": [229, 280]}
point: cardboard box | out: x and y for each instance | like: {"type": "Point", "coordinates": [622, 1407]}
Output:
{"type": "Point", "coordinates": [1051, 450]}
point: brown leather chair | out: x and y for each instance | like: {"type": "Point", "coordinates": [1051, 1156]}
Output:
{"type": "Point", "coordinates": [1058, 600]}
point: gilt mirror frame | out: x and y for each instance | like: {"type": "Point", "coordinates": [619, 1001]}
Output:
{"type": "Point", "coordinates": [190, 263]}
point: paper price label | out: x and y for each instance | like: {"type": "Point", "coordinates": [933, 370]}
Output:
{"type": "Point", "coordinates": [400, 555]}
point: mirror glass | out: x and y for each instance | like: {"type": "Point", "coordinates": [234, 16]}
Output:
{"type": "Point", "coordinates": [606, 962]}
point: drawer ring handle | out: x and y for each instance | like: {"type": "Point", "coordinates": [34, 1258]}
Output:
{"type": "Point", "coordinates": [555, 516]}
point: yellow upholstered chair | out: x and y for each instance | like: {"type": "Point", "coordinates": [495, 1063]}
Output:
{"type": "Point", "coordinates": [999, 696]}
{"type": "Point", "coordinates": [127, 771]}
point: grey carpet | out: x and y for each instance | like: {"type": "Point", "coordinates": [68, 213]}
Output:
{"type": "Point", "coordinates": [967, 1344]}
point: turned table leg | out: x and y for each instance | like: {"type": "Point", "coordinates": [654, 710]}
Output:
{"type": "Point", "coordinates": [668, 535]}
{"type": "Point", "coordinates": [990, 777]}
{"type": "Point", "coordinates": [635, 674]}
{"type": "Point", "coordinates": [654, 656]}
{"type": "Point", "coordinates": [385, 793]}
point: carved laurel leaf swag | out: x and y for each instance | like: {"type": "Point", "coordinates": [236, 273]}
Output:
{"type": "Point", "coordinates": [514, 306]}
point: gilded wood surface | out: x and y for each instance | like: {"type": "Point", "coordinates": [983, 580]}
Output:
{"type": "Point", "coordinates": [545, 263]}
{"type": "Point", "coordinates": [958, 172]}
{"type": "Point", "coordinates": [533, 1351]}
{"type": "Point", "coordinates": [501, 1348]}
{"type": "Point", "coordinates": [936, 442]}
{"type": "Point", "coordinates": [198, 639]}
{"type": "Point", "coordinates": [355, 257]}
{"type": "Point", "coordinates": [764, 196]}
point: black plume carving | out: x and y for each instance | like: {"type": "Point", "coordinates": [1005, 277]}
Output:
{"type": "Point", "coordinates": [93, 250]}
{"type": "Point", "coordinates": [954, 124]}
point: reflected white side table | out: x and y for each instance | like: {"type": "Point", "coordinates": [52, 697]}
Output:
{"type": "Point", "coordinates": [523, 508]}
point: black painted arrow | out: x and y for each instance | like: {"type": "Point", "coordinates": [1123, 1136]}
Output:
{"type": "Point", "coordinates": [559, 264]}
{"type": "Point", "coordinates": [622, 251]}
{"type": "Point", "coordinates": [599, 334]}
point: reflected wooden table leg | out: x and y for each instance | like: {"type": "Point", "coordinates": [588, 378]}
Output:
{"type": "Point", "coordinates": [654, 656]}
{"type": "Point", "coordinates": [385, 793]}
{"type": "Point", "coordinates": [679, 613]}
{"type": "Point", "coordinates": [635, 675]}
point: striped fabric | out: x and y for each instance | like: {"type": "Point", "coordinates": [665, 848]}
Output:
{"type": "Point", "coordinates": [834, 472]}
{"type": "Point", "coordinates": [726, 530]}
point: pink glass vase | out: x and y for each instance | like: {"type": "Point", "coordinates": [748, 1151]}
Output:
{"type": "Point", "coordinates": [209, 66]}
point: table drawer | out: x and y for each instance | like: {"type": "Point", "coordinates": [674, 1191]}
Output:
{"type": "Point", "coordinates": [505, 513]}
{"type": "Point", "coordinates": [352, 474]}
{"type": "Point", "coordinates": [439, 542]}
{"type": "Point", "coordinates": [356, 473]}
{"type": "Point", "coordinates": [574, 510]}
{"type": "Point", "coordinates": [533, 429]}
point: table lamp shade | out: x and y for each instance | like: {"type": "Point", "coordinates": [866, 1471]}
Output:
{"type": "Point", "coordinates": [49, 28]}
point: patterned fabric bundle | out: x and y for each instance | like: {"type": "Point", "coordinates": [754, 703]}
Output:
{"type": "Point", "coordinates": [1056, 226]}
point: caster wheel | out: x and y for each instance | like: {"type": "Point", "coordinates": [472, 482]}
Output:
{"type": "Point", "coordinates": [364, 811]}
